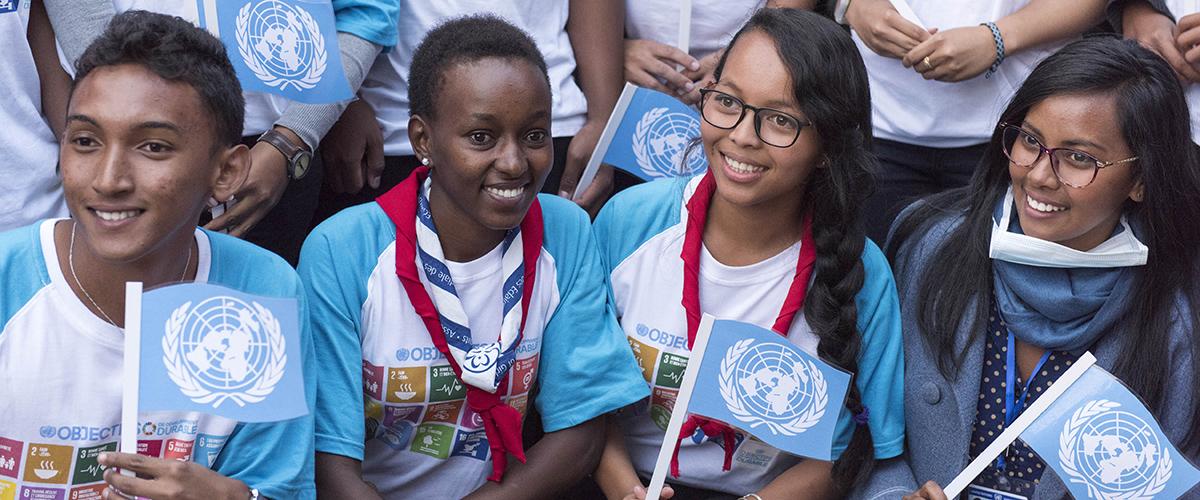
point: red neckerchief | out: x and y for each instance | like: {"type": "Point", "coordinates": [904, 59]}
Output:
{"type": "Point", "coordinates": [501, 423]}
{"type": "Point", "coordinates": [693, 240]}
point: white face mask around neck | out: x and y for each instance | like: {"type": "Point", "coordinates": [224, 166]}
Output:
{"type": "Point", "coordinates": [1121, 250]}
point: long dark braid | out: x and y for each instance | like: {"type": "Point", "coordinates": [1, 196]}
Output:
{"type": "Point", "coordinates": [830, 85]}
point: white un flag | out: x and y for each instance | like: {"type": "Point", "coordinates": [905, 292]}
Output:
{"type": "Point", "coordinates": [1104, 444]}
{"type": "Point", "coordinates": [215, 350]}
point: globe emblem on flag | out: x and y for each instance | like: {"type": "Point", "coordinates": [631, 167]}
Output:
{"type": "Point", "coordinates": [770, 384]}
{"type": "Point", "coordinates": [660, 142]}
{"type": "Point", "coordinates": [281, 44]}
{"type": "Point", "coordinates": [1116, 453]}
{"type": "Point", "coordinates": [224, 349]}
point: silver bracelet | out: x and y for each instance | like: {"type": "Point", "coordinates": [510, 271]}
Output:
{"type": "Point", "coordinates": [751, 496]}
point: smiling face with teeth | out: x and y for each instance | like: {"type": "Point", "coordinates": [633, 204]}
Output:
{"type": "Point", "coordinates": [749, 172]}
{"type": "Point", "coordinates": [1048, 209]}
{"type": "Point", "coordinates": [490, 149]}
{"type": "Point", "coordinates": [139, 158]}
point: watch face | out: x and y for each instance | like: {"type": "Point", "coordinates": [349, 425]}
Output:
{"type": "Point", "coordinates": [300, 166]}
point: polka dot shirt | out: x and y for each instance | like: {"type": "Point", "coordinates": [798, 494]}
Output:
{"type": "Point", "coordinates": [1022, 467]}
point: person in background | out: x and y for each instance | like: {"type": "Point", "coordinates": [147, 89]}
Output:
{"type": "Point", "coordinates": [652, 59]}
{"type": "Point", "coordinates": [461, 299]}
{"type": "Point", "coordinates": [151, 134]}
{"type": "Point", "coordinates": [33, 111]}
{"type": "Point", "coordinates": [770, 235]}
{"type": "Point", "coordinates": [1152, 24]}
{"type": "Point", "coordinates": [937, 86]}
{"type": "Point", "coordinates": [273, 208]}
{"type": "Point", "coordinates": [581, 42]}
{"type": "Point", "coordinates": [1077, 234]}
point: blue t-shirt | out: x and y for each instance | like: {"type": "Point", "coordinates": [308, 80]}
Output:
{"type": "Point", "coordinates": [389, 398]}
{"type": "Point", "coordinates": [61, 367]}
{"type": "Point", "coordinates": [372, 20]}
{"type": "Point", "coordinates": [641, 232]}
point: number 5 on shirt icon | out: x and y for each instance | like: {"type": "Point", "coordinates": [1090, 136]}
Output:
{"type": "Point", "coordinates": [210, 349]}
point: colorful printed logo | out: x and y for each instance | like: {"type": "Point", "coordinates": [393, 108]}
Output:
{"type": "Point", "coordinates": [48, 463]}
{"type": "Point", "coordinates": [10, 459]}
{"type": "Point", "coordinates": [444, 385]}
{"type": "Point", "coordinates": [150, 448]}
{"type": "Point", "coordinates": [406, 385]}
{"type": "Point", "coordinates": [178, 449]}
{"type": "Point", "coordinates": [206, 449]}
{"type": "Point", "coordinates": [36, 493]}
{"type": "Point", "coordinates": [87, 464]}
{"type": "Point", "coordinates": [471, 444]}
{"type": "Point", "coordinates": [372, 380]}
{"type": "Point", "coordinates": [645, 356]}
{"type": "Point", "coordinates": [8, 490]}
{"type": "Point", "coordinates": [662, 403]}
{"type": "Point", "coordinates": [446, 413]}
{"type": "Point", "coordinates": [433, 440]}
{"type": "Point", "coordinates": [93, 492]}
{"type": "Point", "coordinates": [524, 373]}
{"type": "Point", "coordinates": [670, 370]}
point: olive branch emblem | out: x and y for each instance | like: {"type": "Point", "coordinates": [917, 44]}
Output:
{"type": "Point", "coordinates": [316, 67]}
{"type": "Point", "coordinates": [1068, 441]}
{"type": "Point", "coordinates": [808, 418]}
{"type": "Point", "coordinates": [192, 387]}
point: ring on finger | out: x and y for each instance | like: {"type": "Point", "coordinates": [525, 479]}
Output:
{"type": "Point", "coordinates": [928, 65]}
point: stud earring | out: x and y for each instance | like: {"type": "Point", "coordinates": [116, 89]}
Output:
{"type": "Point", "coordinates": [425, 161]}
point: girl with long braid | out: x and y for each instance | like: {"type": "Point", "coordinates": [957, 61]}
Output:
{"type": "Point", "coordinates": [770, 236]}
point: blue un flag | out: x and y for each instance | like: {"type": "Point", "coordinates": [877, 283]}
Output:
{"type": "Point", "coordinates": [754, 379]}
{"type": "Point", "coordinates": [212, 349]}
{"type": "Point", "coordinates": [283, 47]}
{"type": "Point", "coordinates": [1103, 443]}
{"type": "Point", "coordinates": [653, 131]}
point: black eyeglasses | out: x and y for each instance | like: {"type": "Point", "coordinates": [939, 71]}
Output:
{"type": "Point", "coordinates": [772, 126]}
{"type": "Point", "coordinates": [1072, 167]}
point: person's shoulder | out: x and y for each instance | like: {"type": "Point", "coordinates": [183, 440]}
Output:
{"type": "Point", "coordinates": [930, 233]}
{"type": "Point", "coordinates": [22, 243]}
{"type": "Point", "coordinates": [649, 197]}
{"type": "Point", "coordinates": [22, 266]}
{"type": "Point", "coordinates": [248, 267]}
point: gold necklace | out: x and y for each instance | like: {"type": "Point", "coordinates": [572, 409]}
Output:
{"type": "Point", "coordinates": [71, 265]}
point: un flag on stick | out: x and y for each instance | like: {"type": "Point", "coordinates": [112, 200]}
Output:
{"type": "Point", "coordinates": [648, 135]}
{"type": "Point", "coordinates": [1103, 443]}
{"type": "Point", "coordinates": [211, 349]}
{"type": "Point", "coordinates": [283, 47]}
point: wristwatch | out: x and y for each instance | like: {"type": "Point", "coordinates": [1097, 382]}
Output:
{"type": "Point", "coordinates": [839, 11]}
{"type": "Point", "coordinates": [298, 157]}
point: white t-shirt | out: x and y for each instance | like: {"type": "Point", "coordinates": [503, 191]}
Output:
{"type": "Point", "coordinates": [1182, 8]}
{"type": "Point", "coordinates": [907, 108]}
{"type": "Point", "coordinates": [390, 399]}
{"type": "Point", "coordinates": [714, 22]}
{"type": "Point", "coordinates": [60, 364]}
{"type": "Point", "coordinates": [386, 85]}
{"type": "Point", "coordinates": [262, 110]}
{"type": "Point", "coordinates": [641, 232]}
{"type": "Point", "coordinates": [28, 150]}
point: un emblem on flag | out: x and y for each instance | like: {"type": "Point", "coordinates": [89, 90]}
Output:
{"type": "Point", "coordinates": [1115, 453]}
{"type": "Point", "coordinates": [281, 44]}
{"type": "Point", "coordinates": [660, 142]}
{"type": "Point", "coordinates": [768, 384]}
{"type": "Point", "coordinates": [224, 349]}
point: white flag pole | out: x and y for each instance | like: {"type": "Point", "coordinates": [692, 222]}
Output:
{"type": "Point", "coordinates": [684, 40]}
{"type": "Point", "coordinates": [132, 368]}
{"type": "Point", "coordinates": [1019, 425]}
{"type": "Point", "coordinates": [606, 138]}
{"type": "Point", "coordinates": [679, 412]}
{"type": "Point", "coordinates": [209, 15]}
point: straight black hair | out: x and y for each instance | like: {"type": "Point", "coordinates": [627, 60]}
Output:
{"type": "Point", "coordinates": [829, 83]}
{"type": "Point", "coordinates": [1153, 115]}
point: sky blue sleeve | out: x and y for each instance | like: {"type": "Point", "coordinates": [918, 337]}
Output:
{"type": "Point", "coordinates": [586, 367]}
{"type": "Point", "coordinates": [880, 377]}
{"type": "Point", "coordinates": [335, 278]}
{"type": "Point", "coordinates": [375, 21]}
{"type": "Point", "coordinates": [635, 215]}
{"type": "Point", "coordinates": [275, 457]}
{"type": "Point", "coordinates": [22, 268]}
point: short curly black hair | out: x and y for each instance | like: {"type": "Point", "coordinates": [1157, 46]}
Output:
{"type": "Point", "coordinates": [464, 39]}
{"type": "Point", "coordinates": [177, 51]}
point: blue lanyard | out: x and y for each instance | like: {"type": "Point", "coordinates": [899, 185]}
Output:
{"type": "Point", "coordinates": [1012, 408]}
